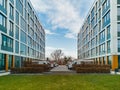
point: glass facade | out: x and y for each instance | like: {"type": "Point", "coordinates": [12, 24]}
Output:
{"type": "Point", "coordinates": [21, 32]}
{"type": "Point", "coordinates": [94, 38]}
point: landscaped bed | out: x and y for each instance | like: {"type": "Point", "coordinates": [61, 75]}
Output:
{"type": "Point", "coordinates": [60, 82]}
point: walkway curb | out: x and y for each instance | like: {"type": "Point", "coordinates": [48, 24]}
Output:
{"type": "Point", "coordinates": [4, 73]}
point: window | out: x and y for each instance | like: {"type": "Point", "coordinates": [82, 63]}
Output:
{"type": "Point", "coordinates": [23, 37]}
{"type": "Point", "coordinates": [96, 18]}
{"type": "Point", "coordinates": [17, 62]}
{"type": "Point", "coordinates": [11, 11]}
{"type": "Point", "coordinates": [17, 32]}
{"type": "Point", "coordinates": [92, 13]}
{"type": "Point", "coordinates": [11, 28]}
{"type": "Point", "coordinates": [106, 19]}
{"type": "Point", "coordinates": [3, 3]}
{"type": "Point", "coordinates": [118, 29]}
{"type": "Point", "coordinates": [102, 49]}
{"type": "Point", "coordinates": [23, 24]}
{"type": "Point", "coordinates": [118, 45]}
{"type": "Point", "coordinates": [16, 47]}
{"type": "Point", "coordinates": [108, 47]}
{"type": "Point", "coordinates": [106, 6]}
{"type": "Point", "coordinates": [99, 13]}
{"type": "Point", "coordinates": [102, 36]}
{"type": "Point", "coordinates": [88, 19]}
{"type": "Point", "coordinates": [7, 43]}
{"type": "Point", "coordinates": [109, 60]}
{"type": "Point", "coordinates": [96, 6]}
{"type": "Point", "coordinates": [12, 1]}
{"type": "Point", "coordinates": [2, 20]}
{"type": "Point", "coordinates": [108, 32]}
{"type": "Point", "coordinates": [17, 18]}
{"type": "Point", "coordinates": [30, 41]}
{"type": "Point", "coordinates": [31, 32]}
{"type": "Point", "coordinates": [118, 1]}
{"type": "Point", "coordinates": [31, 22]}
{"type": "Point", "coordinates": [19, 6]}
{"type": "Point", "coordinates": [118, 12]}
{"type": "Point", "coordinates": [2, 61]}
{"type": "Point", "coordinates": [93, 22]}
{"type": "Point", "coordinates": [99, 25]}
{"type": "Point", "coordinates": [23, 49]}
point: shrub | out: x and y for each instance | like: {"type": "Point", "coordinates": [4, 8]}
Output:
{"type": "Point", "coordinates": [27, 70]}
{"type": "Point", "coordinates": [46, 67]}
{"type": "Point", "coordinates": [92, 68]}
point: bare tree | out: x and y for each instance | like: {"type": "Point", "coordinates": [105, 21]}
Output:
{"type": "Point", "coordinates": [67, 59]}
{"type": "Point", "coordinates": [57, 54]}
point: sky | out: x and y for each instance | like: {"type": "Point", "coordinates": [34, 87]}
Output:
{"type": "Point", "coordinates": [62, 20]}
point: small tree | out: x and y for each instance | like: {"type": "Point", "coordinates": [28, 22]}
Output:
{"type": "Point", "coordinates": [67, 59]}
{"type": "Point", "coordinates": [57, 54]}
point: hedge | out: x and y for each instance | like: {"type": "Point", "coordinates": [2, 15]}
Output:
{"type": "Point", "coordinates": [30, 67]}
{"type": "Point", "coordinates": [91, 68]}
{"type": "Point", "coordinates": [27, 70]}
{"type": "Point", "coordinates": [46, 67]}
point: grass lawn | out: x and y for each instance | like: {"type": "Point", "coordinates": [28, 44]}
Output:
{"type": "Point", "coordinates": [60, 82]}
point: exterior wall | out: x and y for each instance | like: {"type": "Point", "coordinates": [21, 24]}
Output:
{"type": "Point", "coordinates": [101, 41]}
{"type": "Point", "coordinates": [22, 36]}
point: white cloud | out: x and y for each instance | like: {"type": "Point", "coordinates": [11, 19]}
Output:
{"type": "Point", "coordinates": [72, 53]}
{"type": "Point", "coordinates": [66, 14]}
{"type": "Point", "coordinates": [61, 14]}
{"type": "Point", "coordinates": [70, 35]}
{"type": "Point", "coordinates": [48, 32]}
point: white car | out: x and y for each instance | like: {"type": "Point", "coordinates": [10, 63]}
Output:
{"type": "Point", "coordinates": [70, 64]}
{"type": "Point", "coordinates": [43, 62]}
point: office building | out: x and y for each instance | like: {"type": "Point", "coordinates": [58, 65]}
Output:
{"type": "Point", "coordinates": [99, 36]}
{"type": "Point", "coordinates": [22, 36]}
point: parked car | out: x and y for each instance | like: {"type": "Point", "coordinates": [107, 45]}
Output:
{"type": "Point", "coordinates": [43, 62]}
{"type": "Point", "coordinates": [70, 64]}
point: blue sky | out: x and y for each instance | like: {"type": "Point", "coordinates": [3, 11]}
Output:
{"type": "Point", "coordinates": [62, 20]}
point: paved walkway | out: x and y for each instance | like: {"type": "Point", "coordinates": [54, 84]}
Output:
{"type": "Point", "coordinates": [61, 69]}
